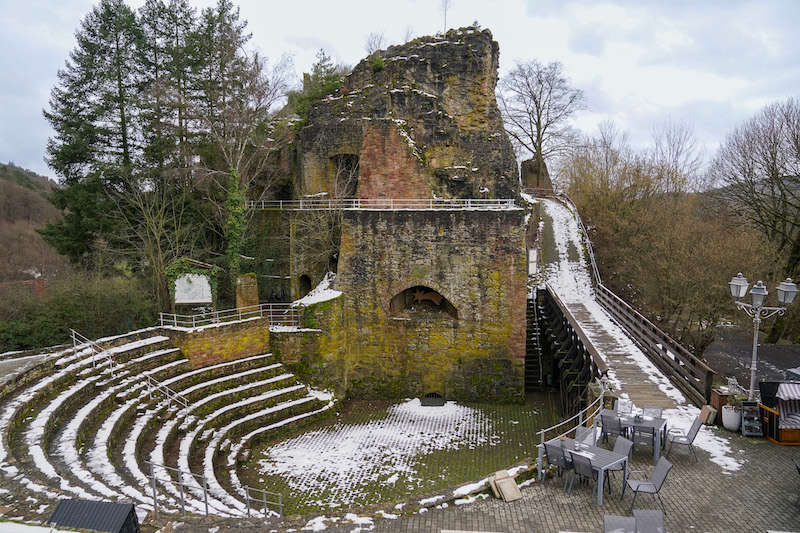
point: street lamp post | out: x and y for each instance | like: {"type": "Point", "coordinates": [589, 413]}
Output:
{"type": "Point", "coordinates": [758, 311]}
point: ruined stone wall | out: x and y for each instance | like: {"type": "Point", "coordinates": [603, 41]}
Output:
{"type": "Point", "coordinates": [425, 123]}
{"type": "Point", "coordinates": [474, 259]}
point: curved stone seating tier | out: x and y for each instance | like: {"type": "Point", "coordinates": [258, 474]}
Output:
{"type": "Point", "coordinates": [276, 415]}
{"type": "Point", "coordinates": [81, 425]}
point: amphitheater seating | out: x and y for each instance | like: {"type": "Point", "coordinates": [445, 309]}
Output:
{"type": "Point", "coordinates": [79, 425]}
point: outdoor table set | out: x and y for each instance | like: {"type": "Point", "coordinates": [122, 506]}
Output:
{"type": "Point", "coordinates": [655, 424]}
{"type": "Point", "coordinates": [602, 460]}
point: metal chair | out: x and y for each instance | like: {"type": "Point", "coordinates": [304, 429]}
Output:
{"type": "Point", "coordinates": [651, 410]}
{"type": "Point", "coordinates": [656, 412]}
{"type": "Point", "coordinates": [653, 484]}
{"type": "Point", "coordinates": [586, 435]}
{"type": "Point", "coordinates": [649, 521]}
{"type": "Point", "coordinates": [676, 436]}
{"type": "Point", "coordinates": [612, 425]}
{"type": "Point", "coordinates": [556, 456]}
{"type": "Point", "coordinates": [619, 524]}
{"type": "Point", "coordinates": [622, 446]}
{"type": "Point", "coordinates": [644, 435]}
{"type": "Point", "coordinates": [582, 467]}
{"type": "Point", "coordinates": [623, 406]}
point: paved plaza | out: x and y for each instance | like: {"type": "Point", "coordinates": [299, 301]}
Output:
{"type": "Point", "coordinates": [698, 497]}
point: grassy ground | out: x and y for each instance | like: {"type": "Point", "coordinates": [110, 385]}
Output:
{"type": "Point", "coordinates": [499, 436]}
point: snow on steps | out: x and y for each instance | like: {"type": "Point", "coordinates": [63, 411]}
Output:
{"type": "Point", "coordinates": [83, 400]}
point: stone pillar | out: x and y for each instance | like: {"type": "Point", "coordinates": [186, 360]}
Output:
{"type": "Point", "coordinates": [532, 178]}
{"type": "Point", "coordinates": [246, 290]}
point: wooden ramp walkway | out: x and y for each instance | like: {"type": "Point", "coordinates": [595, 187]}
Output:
{"type": "Point", "coordinates": [632, 379]}
{"type": "Point", "coordinates": [568, 276]}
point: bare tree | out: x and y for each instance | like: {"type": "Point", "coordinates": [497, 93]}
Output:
{"type": "Point", "coordinates": [409, 34]}
{"type": "Point", "coordinates": [375, 41]}
{"type": "Point", "coordinates": [759, 167]}
{"type": "Point", "coordinates": [676, 157]}
{"type": "Point", "coordinates": [537, 102]}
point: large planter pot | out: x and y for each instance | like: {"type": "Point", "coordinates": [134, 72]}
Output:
{"type": "Point", "coordinates": [731, 417]}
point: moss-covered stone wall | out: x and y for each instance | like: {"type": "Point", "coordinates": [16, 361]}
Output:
{"type": "Point", "coordinates": [473, 259]}
{"type": "Point", "coordinates": [222, 342]}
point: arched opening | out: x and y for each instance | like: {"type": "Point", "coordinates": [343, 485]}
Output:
{"type": "Point", "coordinates": [305, 285]}
{"type": "Point", "coordinates": [421, 300]}
{"type": "Point", "coordinates": [432, 399]}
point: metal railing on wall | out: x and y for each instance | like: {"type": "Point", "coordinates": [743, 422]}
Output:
{"type": "Point", "coordinates": [567, 426]}
{"type": "Point", "coordinates": [264, 501]}
{"type": "Point", "coordinates": [181, 477]}
{"type": "Point", "coordinates": [384, 203]}
{"type": "Point", "coordinates": [283, 314]}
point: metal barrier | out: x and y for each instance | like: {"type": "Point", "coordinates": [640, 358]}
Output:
{"type": "Point", "coordinates": [266, 499]}
{"type": "Point", "coordinates": [590, 412]}
{"type": "Point", "coordinates": [326, 204]}
{"type": "Point", "coordinates": [171, 395]}
{"type": "Point", "coordinates": [181, 484]}
{"type": "Point", "coordinates": [283, 314]}
{"type": "Point", "coordinates": [97, 350]}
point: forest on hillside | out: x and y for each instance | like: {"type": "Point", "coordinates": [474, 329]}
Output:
{"type": "Point", "coordinates": [165, 119]}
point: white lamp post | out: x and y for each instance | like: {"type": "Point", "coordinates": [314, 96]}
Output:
{"type": "Point", "coordinates": [758, 311]}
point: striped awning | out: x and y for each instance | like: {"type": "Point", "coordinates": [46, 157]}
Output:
{"type": "Point", "coordinates": [788, 391]}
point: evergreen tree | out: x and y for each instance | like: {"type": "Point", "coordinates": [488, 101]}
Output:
{"type": "Point", "coordinates": [93, 112]}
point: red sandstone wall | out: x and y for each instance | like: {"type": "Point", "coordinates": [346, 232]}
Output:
{"type": "Point", "coordinates": [388, 167]}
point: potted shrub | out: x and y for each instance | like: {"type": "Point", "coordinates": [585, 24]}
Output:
{"type": "Point", "coordinates": [732, 412]}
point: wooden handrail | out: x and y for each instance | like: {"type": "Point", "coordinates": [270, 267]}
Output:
{"type": "Point", "coordinates": [689, 373]}
{"type": "Point", "coordinates": [597, 359]}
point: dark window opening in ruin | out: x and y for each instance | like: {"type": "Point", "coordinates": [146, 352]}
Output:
{"type": "Point", "coordinates": [421, 300]}
{"type": "Point", "coordinates": [344, 170]}
{"type": "Point", "coordinates": [305, 285]}
{"type": "Point", "coordinates": [432, 399]}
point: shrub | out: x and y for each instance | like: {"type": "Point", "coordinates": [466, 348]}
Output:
{"type": "Point", "coordinates": [93, 305]}
{"type": "Point", "coordinates": [376, 63]}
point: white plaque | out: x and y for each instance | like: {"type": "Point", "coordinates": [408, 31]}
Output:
{"type": "Point", "coordinates": [193, 289]}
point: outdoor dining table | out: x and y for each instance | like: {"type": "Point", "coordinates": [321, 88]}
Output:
{"type": "Point", "coordinates": [632, 421]}
{"type": "Point", "coordinates": [601, 458]}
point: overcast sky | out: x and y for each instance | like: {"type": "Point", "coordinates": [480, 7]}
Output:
{"type": "Point", "coordinates": [711, 64]}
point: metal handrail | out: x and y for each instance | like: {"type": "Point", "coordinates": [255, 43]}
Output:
{"type": "Point", "coordinates": [278, 314]}
{"type": "Point", "coordinates": [77, 339]}
{"type": "Point", "coordinates": [581, 420]}
{"type": "Point", "coordinates": [181, 485]}
{"type": "Point", "coordinates": [264, 500]}
{"type": "Point", "coordinates": [171, 395]}
{"type": "Point", "coordinates": [326, 204]}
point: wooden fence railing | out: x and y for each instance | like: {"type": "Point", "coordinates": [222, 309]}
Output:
{"type": "Point", "coordinates": [690, 374]}
{"type": "Point", "coordinates": [598, 365]}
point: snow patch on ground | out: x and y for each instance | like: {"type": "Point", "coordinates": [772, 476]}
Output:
{"type": "Point", "coordinates": [342, 461]}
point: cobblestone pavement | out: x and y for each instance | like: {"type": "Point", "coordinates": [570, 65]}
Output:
{"type": "Point", "coordinates": [698, 497]}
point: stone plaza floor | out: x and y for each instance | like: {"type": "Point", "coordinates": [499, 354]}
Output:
{"type": "Point", "coordinates": [698, 497]}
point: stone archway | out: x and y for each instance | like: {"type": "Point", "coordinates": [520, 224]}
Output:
{"type": "Point", "coordinates": [420, 300]}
